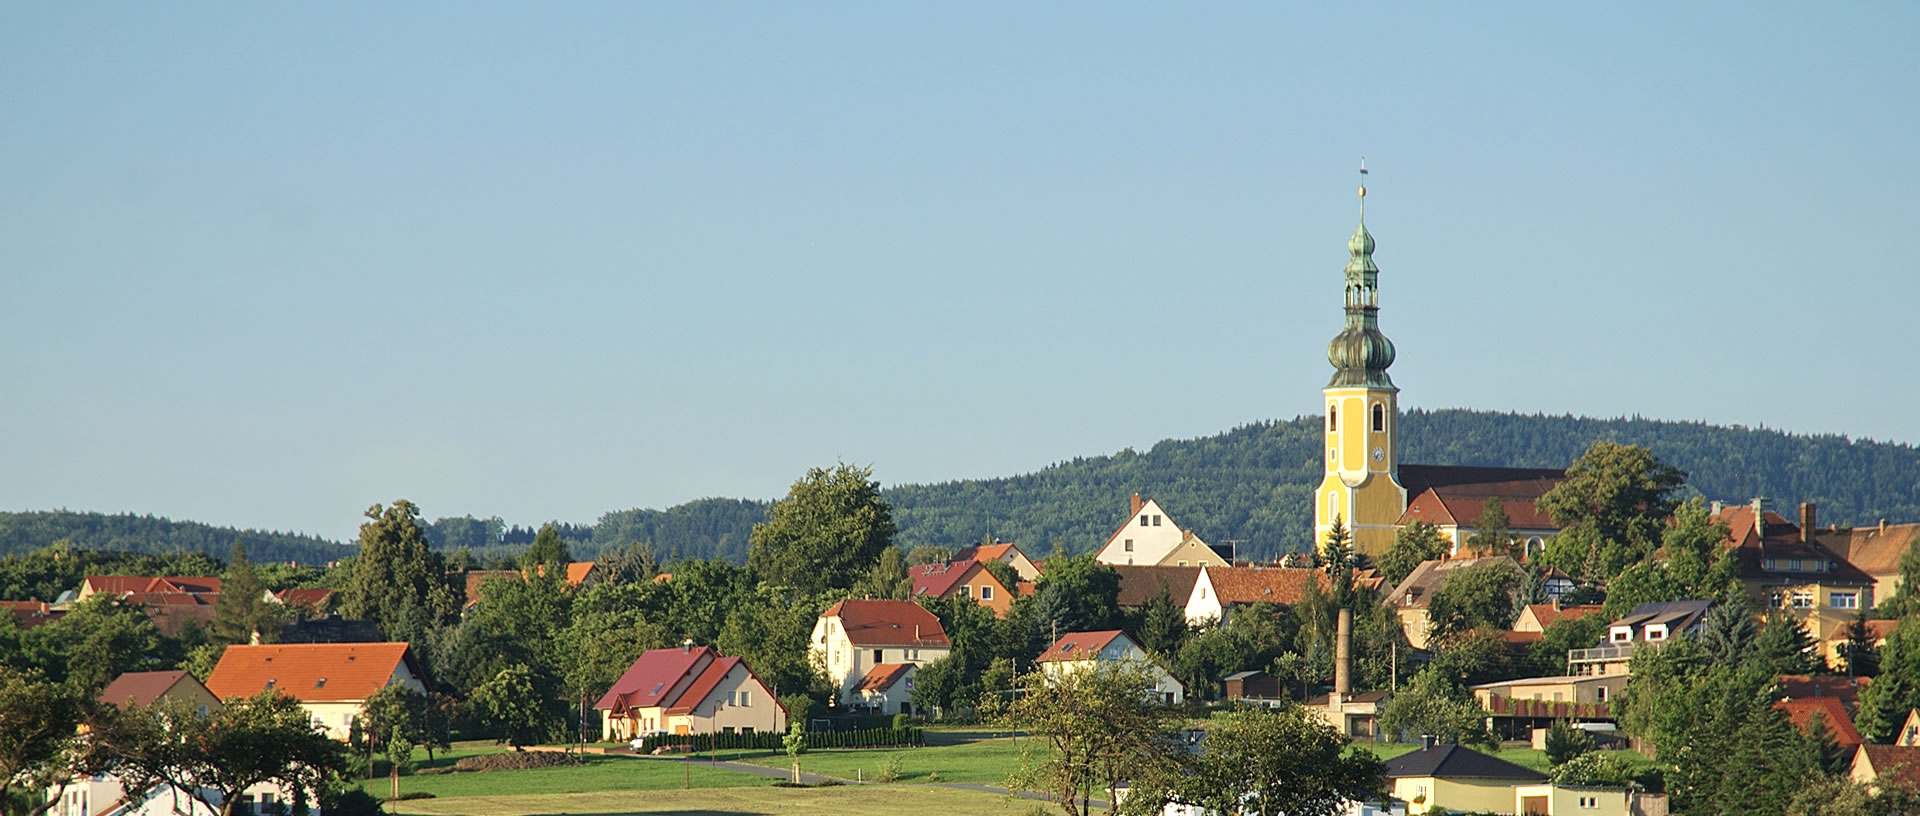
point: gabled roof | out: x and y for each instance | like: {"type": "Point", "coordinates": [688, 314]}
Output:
{"type": "Point", "coordinates": [651, 679]}
{"type": "Point", "coordinates": [1677, 615]}
{"type": "Point", "coordinates": [158, 598]}
{"type": "Point", "coordinates": [1898, 764]}
{"type": "Point", "coordinates": [1139, 584]}
{"type": "Point", "coordinates": [28, 614]}
{"type": "Point", "coordinates": [1461, 505]}
{"type": "Point", "coordinates": [1419, 479]}
{"type": "Point", "coordinates": [1801, 712]}
{"type": "Point", "coordinates": [122, 584]}
{"type": "Point", "coordinates": [1247, 585]}
{"type": "Point", "coordinates": [1874, 550]}
{"type": "Point", "coordinates": [1417, 588]}
{"type": "Point", "coordinates": [702, 686]}
{"type": "Point", "coordinates": [142, 688]}
{"type": "Point", "coordinates": [1081, 645]}
{"type": "Point", "coordinates": [887, 623]}
{"type": "Point", "coordinates": [984, 552]}
{"type": "Point", "coordinates": [313, 598]}
{"type": "Point", "coordinates": [882, 677]}
{"type": "Point", "coordinates": [1548, 613]}
{"type": "Point", "coordinates": [938, 580]}
{"type": "Point", "coordinates": [1454, 762]}
{"type": "Point", "coordinates": [310, 672]}
{"type": "Point", "coordinates": [578, 571]}
{"type": "Point", "coordinates": [1780, 541]}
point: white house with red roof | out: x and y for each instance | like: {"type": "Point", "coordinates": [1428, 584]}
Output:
{"type": "Point", "coordinates": [1149, 538]}
{"type": "Point", "coordinates": [886, 688]}
{"type": "Point", "coordinates": [854, 637]}
{"type": "Point", "coordinates": [688, 690]}
{"type": "Point", "coordinates": [1081, 651]}
{"type": "Point", "coordinates": [332, 681]}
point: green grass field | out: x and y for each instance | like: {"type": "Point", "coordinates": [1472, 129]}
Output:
{"type": "Point", "coordinates": [600, 773]}
{"type": "Point", "coordinates": [976, 758]}
{"type": "Point", "coordinates": [751, 801]}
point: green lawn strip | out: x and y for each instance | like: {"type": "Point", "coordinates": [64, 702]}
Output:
{"type": "Point", "coordinates": [1524, 757]}
{"type": "Point", "coordinates": [832, 801]}
{"type": "Point", "coordinates": [986, 761]}
{"type": "Point", "coordinates": [599, 773]}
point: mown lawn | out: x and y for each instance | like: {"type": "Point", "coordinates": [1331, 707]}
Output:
{"type": "Point", "coordinates": [600, 773]}
{"type": "Point", "coordinates": [984, 759]}
{"type": "Point", "coordinates": [728, 801]}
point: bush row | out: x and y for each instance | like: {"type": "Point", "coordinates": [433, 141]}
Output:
{"type": "Point", "coordinates": [772, 741]}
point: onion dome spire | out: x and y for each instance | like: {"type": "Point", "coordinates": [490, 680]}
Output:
{"type": "Point", "coordinates": [1360, 354]}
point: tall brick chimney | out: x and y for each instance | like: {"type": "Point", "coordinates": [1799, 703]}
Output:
{"type": "Point", "coordinates": [1137, 504]}
{"type": "Point", "coordinates": [1342, 656]}
{"type": "Point", "coordinates": [1806, 522]}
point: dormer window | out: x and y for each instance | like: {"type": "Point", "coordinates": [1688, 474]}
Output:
{"type": "Point", "coordinates": [1656, 632]}
{"type": "Point", "coordinates": [320, 683]}
{"type": "Point", "coordinates": [269, 684]}
{"type": "Point", "coordinates": [1620, 634]}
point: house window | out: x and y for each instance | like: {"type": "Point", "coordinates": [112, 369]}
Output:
{"type": "Point", "coordinates": [877, 653]}
{"type": "Point", "coordinates": [1379, 418]}
{"type": "Point", "coordinates": [1602, 691]}
{"type": "Point", "coordinates": [726, 729]}
{"type": "Point", "coordinates": [1128, 546]}
{"type": "Point", "coordinates": [1844, 600]}
{"type": "Point", "coordinates": [1656, 632]}
{"type": "Point", "coordinates": [1774, 599]}
{"type": "Point", "coordinates": [1156, 521]}
{"type": "Point", "coordinates": [1333, 418]}
{"type": "Point", "coordinates": [1803, 600]}
{"type": "Point", "coordinates": [1203, 593]}
{"type": "Point", "coordinates": [912, 654]}
{"type": "Point", "coordinates": [986, 593]}
{"type": "Point", "coordinates": [744, 702]}
{"type": "Point", "coordinates": [1143, 519]}
{"type": "Point", "coordinates": [1620, 634]}
{"type": "Point", "coordinates": [966, 591]}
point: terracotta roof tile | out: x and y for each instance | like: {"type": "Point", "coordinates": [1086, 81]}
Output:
{"type": "Point", "coordinates": [308, 672]}
{"type": "Point", "coordinates": [653, 676]}
{"type": "Point", "coordinates": [1899, 765]}
{"type": "Point", "coordinates": [1247, 585]}
{"type": "Point", "coordinates": [1548, 613]}
{"type": "Point", "coordinates": [577, 572]}
{"type": "Point", "coordinates": [882, 676]}
{"type": "Point", "coordinates": [938, 579]}
{"type": "Point", "coordinates": [887, 623]}
{"type": "Point", "coordinates": [1782, 543]}
{"type": "Point", "coordinates": [311, 598]}
{"type": "Point", "coordinates": [1079, 645]}
{"type": "Point", "coordinates": [1801, 712]}
{"type": "Point", "coordinates": [703, 685]}
{"type": "Point", "coordinates": [142, 688]}
{"type": "Point", "coordinates": [1874, 550]}
{"type": "Point", "coordinates": [1838, 686]}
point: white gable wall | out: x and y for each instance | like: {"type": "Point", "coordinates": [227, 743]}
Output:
{"type": "Point", "coordinates": [1203, 604]}
{"type": "Point", "coordinates": [1148, 537]}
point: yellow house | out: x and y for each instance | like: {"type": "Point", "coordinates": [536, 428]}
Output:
{"type": "Point", "coordinates": [1409, 600]}
{"type": "Point", "coordinates": [1457, 778]}
{"type": "Point", "coordinates": [332, 681]}
{"type": "Point", "coordinates": [1580, 800]}
{"type": "Point", "coordinates": [1782, 566]}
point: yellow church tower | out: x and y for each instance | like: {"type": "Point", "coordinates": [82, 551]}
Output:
{"type": "Point", "coordinates": [1362, 487]}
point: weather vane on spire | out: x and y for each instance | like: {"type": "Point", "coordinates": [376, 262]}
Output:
{"type": "Point", "coordinates": [1363, 177]}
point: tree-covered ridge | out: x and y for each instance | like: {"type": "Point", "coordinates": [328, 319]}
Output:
{"type": "Point", "coordinates": [1251, 485]}
{"type": "Point", "coordinates": [157, 535]}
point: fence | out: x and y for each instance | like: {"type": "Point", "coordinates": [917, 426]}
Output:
{"type": "Point", "coordinates": [774, 740]}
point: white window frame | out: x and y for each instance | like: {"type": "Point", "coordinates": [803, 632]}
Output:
{"type": "Point", "coordinates": [986, 592]}
{"type": "Point", "coordinates": [1852, 600]}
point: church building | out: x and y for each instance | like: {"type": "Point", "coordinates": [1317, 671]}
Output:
{"type": "Point", "coordinates": [1365, 488]}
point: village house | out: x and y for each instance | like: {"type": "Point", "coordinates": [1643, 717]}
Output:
{"type": "Point", "coordinates": [1583, 800]}
{"type": "Point", "coordinates": [1455, 508]}
{"type": "Point", "coordinates": [1782, 566]}
{"type": "Point", "coordinates": [967, 578]}
{"type": "Point", "coordinates": [855, 637]}
{"type": "Point", "coordinates": [1149, 538]}
{"type": "Point", "coordinates": [105, 794]}
{"type": "Point", "coordinates": [688, 690]}
{"type": "Point", "coordinates": [1517, 709]}
{"type": "Point", "coordinates": [887, 687]}
{"type": "Point", "coordinates": [1875, 551]}
{"type": "Point", "coordinates": [1004, 552]}
{"type": "Point", "coordinates": [1877, 765]}
{"type": "Point", "coordinates": [1458, 779]}
{"type": "Point", "coordinates": [1537, 617]}
{"type": "Point", "coordinates": [332, 681]}
{"type": "Point", "coordinates": [1409, 600]}
{"type": "Point", "coordinates": [1218, 590]}
{"type": "Point", "coordinates": [1649, 624]}
{"type": "Point", "coordinates": [1835, 646]}
{"type": "Point", "coordinates": [1082, 651]}
{"type": "Point", "coordinates": [1138, 585]}
{"type": "Point", "coordinates": [1830, 710]}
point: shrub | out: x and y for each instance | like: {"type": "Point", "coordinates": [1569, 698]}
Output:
{"type": "Point", "coordinates": [890, 770]}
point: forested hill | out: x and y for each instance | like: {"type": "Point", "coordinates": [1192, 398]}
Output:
{"type": "Point", "coordinates": [24, 532]}
{"type": "Point", "coordinates": [1253, 484]}
{"type": "Point", "coordinates": [1250, 485]}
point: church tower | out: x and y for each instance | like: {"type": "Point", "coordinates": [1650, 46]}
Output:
{"type": "Point", "coordinates": [1362, 487]}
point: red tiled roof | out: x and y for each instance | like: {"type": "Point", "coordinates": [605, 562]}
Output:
{"type": "Point", "coordinates": [652, 677]}
{"type": "Point", "coordinates": [28, 614]}
{"type": "Point", "coordinates": [314, 598]}
{"type": "Point", "coordinates": [1875, 550]}
{"type": "Point", "coordinates": [936, 580]}
{"type": "Point", "coordinates": [142, 688]}
{"type": "Point", "coordinates": [577, 572]}
{"type": "Point", "coordinates": [475, 578]}
{"type": "Point", "coordinates": [122, 584]}
{"type": "Point", "coordinates": [1838, 686]}
{"type": "Point", "coordinates": [1247, 585]}
{"type": "Point", "coordinates": [1877, 630]}
{"type": "Point", "coordinates": [702, 686]}
{"type": "Point", "coordinates": [1548, 613]}
{"type": "Point", "coordinates": [1801, 712]}
{"type": "Point", "coordinates": [1462, 505]}
{"type": "Point", "coordinates": [887, 623]}
{"type": "Point", "coordinates": [882, 676]}
{"type": "Point", "coordinates": [1781, 542]}
{"type": "Point", "coordinates": [1898, 765]}
{"type": "Point", "coordinates": [1079, 645]}
{"type": "Point", "coordinates": [983, 552]}
{"type": "Point", "coordinates": [308, 672]}
{"type": "Point", "coordinates": [174, 598]}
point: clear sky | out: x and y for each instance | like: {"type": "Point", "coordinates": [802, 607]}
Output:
{"type": "Point", "coordinates": [266, 264]}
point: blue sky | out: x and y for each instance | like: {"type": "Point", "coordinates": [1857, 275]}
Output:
{"type": "Point", "coordinates": [268, 264]}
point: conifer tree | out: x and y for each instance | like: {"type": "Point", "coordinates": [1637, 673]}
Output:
{"type": "Point", "coordinates": [398, 582]}
{"type": "Point", "coordinates": [243, 610]}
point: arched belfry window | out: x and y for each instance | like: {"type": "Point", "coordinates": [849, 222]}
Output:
{"type": "Point", "coordinates": [1333, 418]}
{"type": "Point", "coordinates": [1379, 418]}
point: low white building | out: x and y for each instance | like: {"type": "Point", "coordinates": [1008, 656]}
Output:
{"type": "Point", "coordinates": [1081, 651]}
{"type": "Point", "coordinates": [854, 636]}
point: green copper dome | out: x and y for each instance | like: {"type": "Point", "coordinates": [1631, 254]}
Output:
{"type": "Point", "coordinates": [1360, 354]}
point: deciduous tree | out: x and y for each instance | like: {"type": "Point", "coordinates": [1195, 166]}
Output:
{"type": "Point", "coordinates": [249, 741]}
{"type": "Point", "coordinates": [1412, 544]}
{"type": "Point", "coordinates": [1268, 762]}
{"type": "Point", "coordinates": [825, 534]}
{"type": "Point", "coordinates": [1610, 509]}
{"type": "Point", "coordinates": [398, 581]}
{"type": "Point", "coordinates": [1100, 727]}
